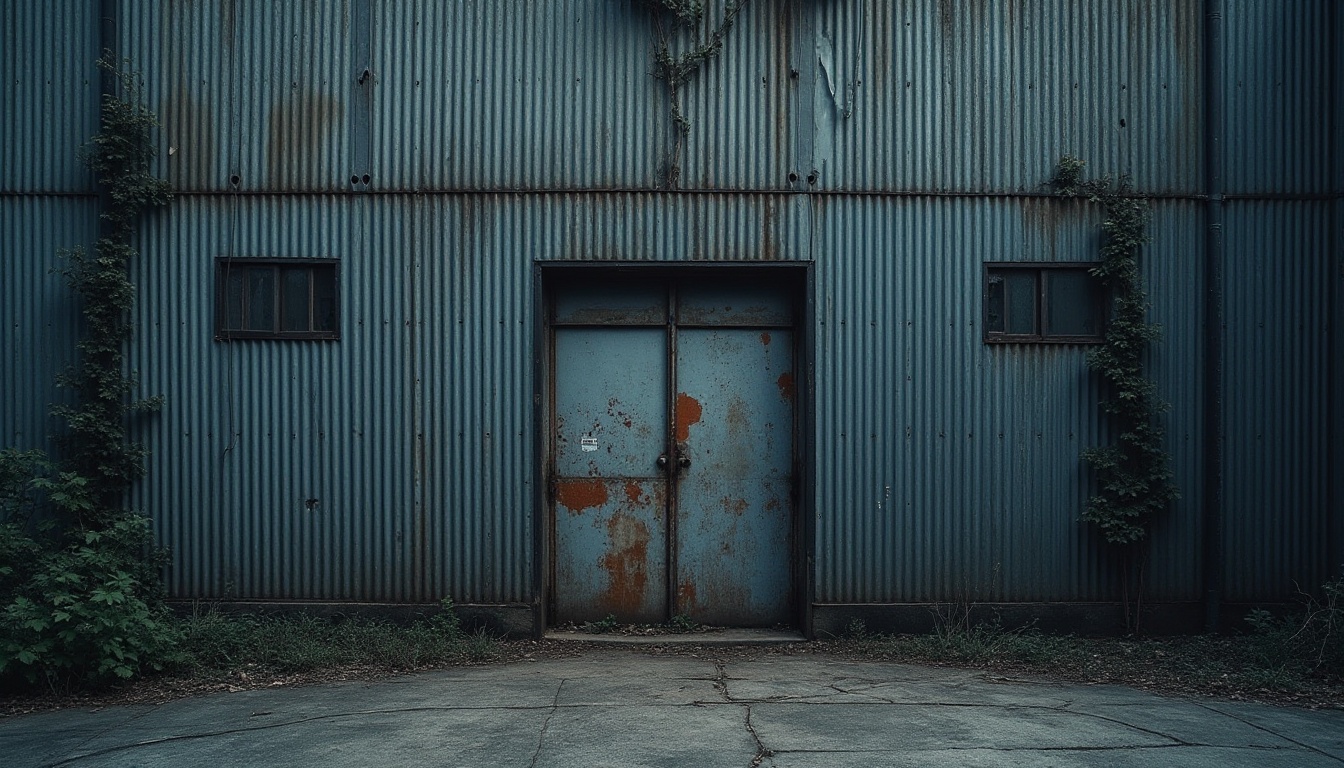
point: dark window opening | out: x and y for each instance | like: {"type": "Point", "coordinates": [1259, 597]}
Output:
{"type": "Point", "coordinates": [265, 299]}
{"type": "Point", "coordinates": [1043, 302]}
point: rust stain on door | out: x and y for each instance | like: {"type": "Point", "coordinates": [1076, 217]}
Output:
{"type": "Point", "coordinates": [634, 494]}
{"type": "Point", "coordinates": [785, 383]}
{"type": "Point", "coordinates": [578, 495]}
{"type": "Point", "coordinates": [688, 413]}
{"type": "Point", "coordinates": [626, 564]}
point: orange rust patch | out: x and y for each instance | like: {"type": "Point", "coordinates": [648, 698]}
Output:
{"type": "Point", "coordinates": [626, 565]}
{"type": "Point", "coordinates": [785, 382]}
{"type": "Point", "coordinates": [688, 413]}
{"type": "Point", "coordinates": [633, 492]}
{"type": "Point", "coordinates": [581, 494]}
{"type": "Point", "coordinates": [765, 339]}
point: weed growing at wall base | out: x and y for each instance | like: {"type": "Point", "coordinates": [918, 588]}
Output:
{"type": "Point", "coordinates": [217, 644]}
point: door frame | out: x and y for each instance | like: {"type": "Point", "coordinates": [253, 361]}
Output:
{"type": "Point", "coordinates": [798, 278]}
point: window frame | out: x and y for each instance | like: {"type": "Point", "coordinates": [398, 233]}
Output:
{"type": "Point", "coordinates": [225, 264]}
{"type": "Point", "coordinates": [1042, 336]}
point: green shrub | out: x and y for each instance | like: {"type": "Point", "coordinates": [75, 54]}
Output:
{"type": "Point", "coordinates": [83, 606]}
{"type": "Point", "coordinates": [79, 613]}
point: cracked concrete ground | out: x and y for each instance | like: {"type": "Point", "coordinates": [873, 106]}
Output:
{"type": "Point", "coordinates": [624, 707]}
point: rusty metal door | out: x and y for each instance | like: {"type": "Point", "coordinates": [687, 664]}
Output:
{"type": "Point", "coordinates": [672, 453]}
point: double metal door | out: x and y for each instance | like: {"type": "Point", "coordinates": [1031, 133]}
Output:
{"type": "Point", "coordinates": [672, 452]}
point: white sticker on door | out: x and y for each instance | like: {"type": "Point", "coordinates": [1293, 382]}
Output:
{"type": "Point", "coordinates": [588, 444]}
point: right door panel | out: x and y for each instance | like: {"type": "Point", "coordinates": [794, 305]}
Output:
{"type": "Point", "coordinates": [734, 423]}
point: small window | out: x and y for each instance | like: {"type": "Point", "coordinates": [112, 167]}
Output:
{"type": "Point", "coordinates": [1043, 303]}
{"type": "Point", "coordinates": [268, 299]}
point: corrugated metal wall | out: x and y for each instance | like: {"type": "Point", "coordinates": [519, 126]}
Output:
{"type": "Point", "coordinates": [497, 134]}
{"type": "Point", "coordinates": [1282, 288]}
{"type": "Point", "coordinates": [976, 484]}
{"type": "Point", "coordinates": [984, 97]}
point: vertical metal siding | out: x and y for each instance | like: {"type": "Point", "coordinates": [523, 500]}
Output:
{"type": "Point", "coordinates": [945, 467]}
{"type": "Point", "coordinates": [252, 429]}
{"type": "Point", "coordinates": [1173, 272]}
{"type": "Point", "coordinates": [485, 95]}
{"type": "Point", "coordinates": [1276, 385]}
{"type": "Point", "coordinates": [47, 51]}
{"type": "Point", "coordinates": [263, 90]}
{"type": "Point", "coordinates": [985, 96]}
{"type": "Point", "coordinates": [948, 467]}
{"type": "Point", "coordinates": [1278, 65]}
{"type": "Point", "coordinates": [188, 54]}
{"type": "Point", "coordinates": [414, 431]}
{"type": "Point", "coordinates": [38, 315]}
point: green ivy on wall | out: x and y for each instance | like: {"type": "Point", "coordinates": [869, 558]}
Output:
{"type": "Point", "coordinates": [1134, 472]}
{"type": "Point", "coordinates": [96, 446]}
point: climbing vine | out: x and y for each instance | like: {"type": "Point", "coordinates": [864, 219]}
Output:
{"type": "Point", "coordinates": [674, 21]}
{"type": "Point", "coordinates": [96, 445]}
{"type": "Point", "coordinates": [1134, 472]}
{"type": "Point", "coordinates": [80, 596]}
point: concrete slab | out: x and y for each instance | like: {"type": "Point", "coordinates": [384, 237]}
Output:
{"type": "Point", "coordinates": [621, 706]}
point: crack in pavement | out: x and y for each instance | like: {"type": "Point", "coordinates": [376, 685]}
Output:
{"type": "Point", "coordinates": [117, 726]}
{"type": "Point", "coordinates": [720, 682]}
{"type": "Point", "coordinates": [541, 737]}
{"type": "Point", "coordinates": [1274, 733]}
{"type": "Point", "coordinates": [761, 751]}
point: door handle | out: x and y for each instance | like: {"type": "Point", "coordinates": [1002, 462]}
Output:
{"type": "Point", "coordinates": [683, 455]}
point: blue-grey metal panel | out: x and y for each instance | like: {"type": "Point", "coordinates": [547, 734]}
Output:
{"type": "Point", "coordinates": [38, 313]}
{"type": "Point", "coordinates": [734, 303]}
{"type": "Point", "coordinates": [610, 491]}
{"type": "Point", "coordinates": [279, 469]}
{"type": "Point", "coordinates": [47, 51]}
{"type": "Point", "coordinates": [479, 95]}
{"type": "Point", "coordinates": [612, 302]}
{"type": "Point", "coordinates": [1276, 91]}
{"type": "Point", "coordinates": [1173, 269]}
{"type": "Point", "coordinates": [261, 90]}
{"type": "Point", "coordinates": [485, 95]}
{"type": "Point", "coordinates": [1276, 397]}
{"type": "Point", "coordinates": [190, 55]}
{"type": "Point", "coordinates": [948, 468]}
{"type": "Point", "coordinates": [936, 96]}
{"type": "Point", "coordinates": [734, 501]}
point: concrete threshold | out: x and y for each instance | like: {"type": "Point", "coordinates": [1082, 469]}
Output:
{"type": "Point", "coordinates": [710, 637]}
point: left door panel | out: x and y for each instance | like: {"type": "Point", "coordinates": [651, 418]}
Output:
{"type": "Point", "coordinates": [610, 494]}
